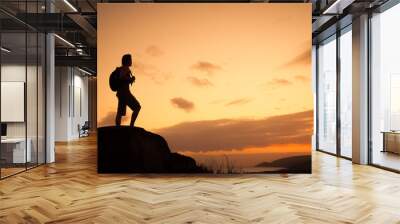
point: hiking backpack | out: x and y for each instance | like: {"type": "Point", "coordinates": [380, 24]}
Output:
{"type": "Point", "coordinates": [114, 80]}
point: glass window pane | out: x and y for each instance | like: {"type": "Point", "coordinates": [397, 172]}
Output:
{"type": "Point", "coordinates": [32, 97]}
{"type": "Point", "coordinates": [346, 94]}
{"type": "Point", "coordinates": [385, 89]}
{"type": "Point", "coordinates": [327, 96]}
{"type": "Point", "coordinates": [41, 98]}
{"type": "Point", "coordinates": [23, 90]}
{"type": "Point", "coordinates": [13, 86]}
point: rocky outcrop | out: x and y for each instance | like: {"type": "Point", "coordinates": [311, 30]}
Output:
{"type": "Point", "coordinates": [127, 149]}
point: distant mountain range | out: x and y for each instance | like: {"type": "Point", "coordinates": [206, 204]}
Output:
{"type": "Point", "coordinates": [294, 164]}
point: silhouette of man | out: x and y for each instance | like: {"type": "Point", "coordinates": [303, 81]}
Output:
{"type": "Point", "coordinates": [125, 97]}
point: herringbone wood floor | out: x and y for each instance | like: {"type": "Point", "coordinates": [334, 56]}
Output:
{"type": "Point", "coordinates": [70, 191]}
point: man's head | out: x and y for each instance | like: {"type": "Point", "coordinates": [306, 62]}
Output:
{"type": "Point", "coordinates": [127, 60]}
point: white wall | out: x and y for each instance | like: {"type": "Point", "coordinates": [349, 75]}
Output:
{"type": "Point", "coordinates": [92, 98]}
{"type": "Point", "coordinates": [71, 102]}
{"type": "Point", "coordinates": [80, 102]}
{"type": "Point", "coordinates": [61, 104]}
{"type": "Point", "coordinates": [15, 72]}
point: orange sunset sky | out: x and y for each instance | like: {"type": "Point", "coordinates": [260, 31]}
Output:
{"type": "Point", "coordinates": [213, 79]}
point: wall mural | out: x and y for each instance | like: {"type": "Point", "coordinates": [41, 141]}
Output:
{"type": "Point", "coordinates": [204, 88]}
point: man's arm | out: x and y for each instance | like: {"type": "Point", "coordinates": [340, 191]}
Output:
{"type": "Point", "coordinates": [126, 76]}
{"type": "Point", "coordinates": [132, 78]}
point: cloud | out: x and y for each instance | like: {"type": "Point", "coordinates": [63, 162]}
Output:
{"type": "Point", "coordinates": [206, 67]}
{"type": "Point", "coordinates": [150, 71]}
{"type": "Point", "coordinates": [218, 101]}
{"type": "Point", "coordinates": [154, 51]}
{"type": "Point", "coordinates": [302, 78]}
{"type": "Point", "coordinates": [199, 82]}
{"type": "Point", "coordinates": [280, 82]}
{"type": "Point", "coordinates": [304, 58]}
{"type": "Point", "coordinates": [230, 134]}
{"type": "Point", "coordinates": [182, 103]}
{"type": "Point", "coordinates": [144, 68]}
{"type": "Point", "coordinates": [238, 102]}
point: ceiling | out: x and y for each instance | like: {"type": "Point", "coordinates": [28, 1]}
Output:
{"type": "Point", "coordinates": [75, 22]}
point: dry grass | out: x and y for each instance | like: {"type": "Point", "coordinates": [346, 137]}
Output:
{"type": "Point", "coordinates": [222, 165]}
